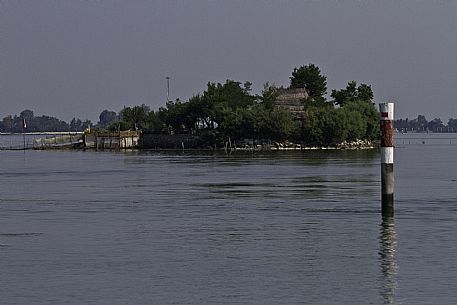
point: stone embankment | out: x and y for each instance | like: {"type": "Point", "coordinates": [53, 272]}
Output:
{"type": "Point", "coordinates": [358, 144]}
{"type": "Point", "coordinates": [138, 140]}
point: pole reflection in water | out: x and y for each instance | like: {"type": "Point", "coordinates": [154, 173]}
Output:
{"type": "Point", "coordinates": [388, 260]}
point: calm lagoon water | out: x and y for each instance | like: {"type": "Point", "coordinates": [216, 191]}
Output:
{"type": "Point", "coordinates": [145, 227]}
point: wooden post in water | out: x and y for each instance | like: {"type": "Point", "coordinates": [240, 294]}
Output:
{"type": "Point", "coordinates": [387, 158]}
{"type": "Point", "coordinates": [24, 126]}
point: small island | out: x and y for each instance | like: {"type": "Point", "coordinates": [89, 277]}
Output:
{"type": "Point", "coordinates": [228, 116]}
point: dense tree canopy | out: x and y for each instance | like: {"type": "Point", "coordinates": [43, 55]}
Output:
{"type": "Point", "coordinates": [310, 78]}
{"type": "Point", "coordinates": [106, 118]}
{"type": "Point", "coordinates": [352, 93]}
{"type": "Point", "coordinates": [230, 112]}
{"type": "Point", "coordinates": [421, 124]}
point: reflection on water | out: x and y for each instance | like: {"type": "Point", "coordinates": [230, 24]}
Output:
{"type": "Point", "coordinates": [388, 260]}
{"type": "Point", "coordinates": [144, 227]}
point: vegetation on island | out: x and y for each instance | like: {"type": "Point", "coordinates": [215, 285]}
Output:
{"type": "Point", "coordinates": [231, 112]}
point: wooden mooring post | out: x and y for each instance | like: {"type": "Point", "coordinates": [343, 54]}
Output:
{"type": "Point", "coordinates": [387, 158]}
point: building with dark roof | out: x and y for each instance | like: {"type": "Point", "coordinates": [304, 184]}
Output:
{"type": "Point", "coordinates": [292, 99]}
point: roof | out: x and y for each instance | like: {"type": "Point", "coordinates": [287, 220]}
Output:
{"type": "Point", "coordinates": [291, 96]}
{"type": "Point", "coordinates": [292, 99]}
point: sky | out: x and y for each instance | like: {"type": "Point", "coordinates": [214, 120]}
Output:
{"type": "Point", "coordinates": [76, 58]}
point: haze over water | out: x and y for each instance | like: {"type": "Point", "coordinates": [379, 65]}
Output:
{"type": "Point", "coordinates": [145, 227]}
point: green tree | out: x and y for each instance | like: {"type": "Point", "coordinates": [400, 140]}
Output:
{"type": "Point", "coordinates": [310, 78]}
{"type": "Point", "coordinates": [237, 124]}
{"type": "Point", "coordinates": [354, 124]}
{"type": "Point", "coordinates": [48, 123]}
{"type": "Point", "coordinates": [134, 117]}
{"type": "Point", "coordinates": [365, 93]}
{"type": "Point", "coordinates": [155, 123]}
{"type": "Point", "coordinates": [352, 93]}
{"type": "Point", "coordinates": [177, 117]}
{"type": "Point", "coordinates": [369, 116]}
{"type": "Point", "coordinates": [208, 111]}
{"type": "Point", "coordinates": [269, 96]}
{"type": "Point", "coordinates": [273, 123]}
{"type": "Point", "coordinates": [323, 126]}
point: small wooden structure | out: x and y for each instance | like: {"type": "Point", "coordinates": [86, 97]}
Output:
{"type": "Point", "coordinates": [293, 100]}
{"type": "Point", "coordinates": [112, 140]}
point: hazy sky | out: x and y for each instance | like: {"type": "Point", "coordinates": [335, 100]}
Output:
{"type": "Point", "coordinates": [77, 58]}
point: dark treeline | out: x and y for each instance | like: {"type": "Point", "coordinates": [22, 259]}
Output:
{"type": "Point", "coordinates": [230, 112]}
{"type": "Point", "coordinates": [32, 123]}
{"type": "Point", "coordinates": [420, 124]}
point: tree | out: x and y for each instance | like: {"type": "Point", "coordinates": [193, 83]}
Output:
{"type": "Point", "coordinates": [177, 117]}
{"type": "Point", "coordinates": [76, 125]}
{"type": "Point", "coordinates": [48, 123]}
{"type": "Point", "coordinates": [365, 93]}
{"type": "Point", "coordinates": [421, 123]}
{"type": "Point", "coordinates": [7, 124]}
{"type": "Point", "coordinates": [269, 95]}
{"type": "Point", "coordinates": [230, 94]}
{"type": "Point", "coordinates": [155, 123]}
{"type": "Point", "coordinates": [237, 124]}
{"type": "Point", "coordinates": [86, 124]}
{"type": "Point", "coordinates": [272, 123]}
{"type": "Point", "coordinates": [452, 123]}
{"type": "Point", "coordinates": [369, 116]}
{"type": "Point", "coordinates": [310, 78]}
{"type": "Point", "coordinates": [135, 117]}
{"type": "Point", "coordinates": [26, 115]}
{"type": "Point", "coordinates": [354, 124]}
{"type": "Point", "coordinates": [322, 126]}
{"type": "Point", "coordinates": [435, 125]}
{"type": "Point", "coordinates": [106, 118]}
{"type": "Point", "coordinates": [352, 93]}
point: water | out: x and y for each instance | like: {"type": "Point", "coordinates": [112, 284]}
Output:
{"type": "Point", "coordinates": [201, 228]}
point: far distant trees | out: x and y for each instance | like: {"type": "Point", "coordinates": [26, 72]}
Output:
{"type": "Point", "coordinates": [14, 124]}
{"type": "Point", "coordinates": [107, 117]}
{"type": "Point", "coordinates": [6, 125]}
{"type": "Point", "coordinates": [76, 124]}
{"type": "Point", "coordinates": [229, 111]}
{"type": "Point", "coordinates": [452, 123]}
{"type": "Point", "coordinates": [421, 124]}
{"type": "Point", "coordinates": [435, 124]}
{"type": "Point", "coordinates": [27, 115]}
